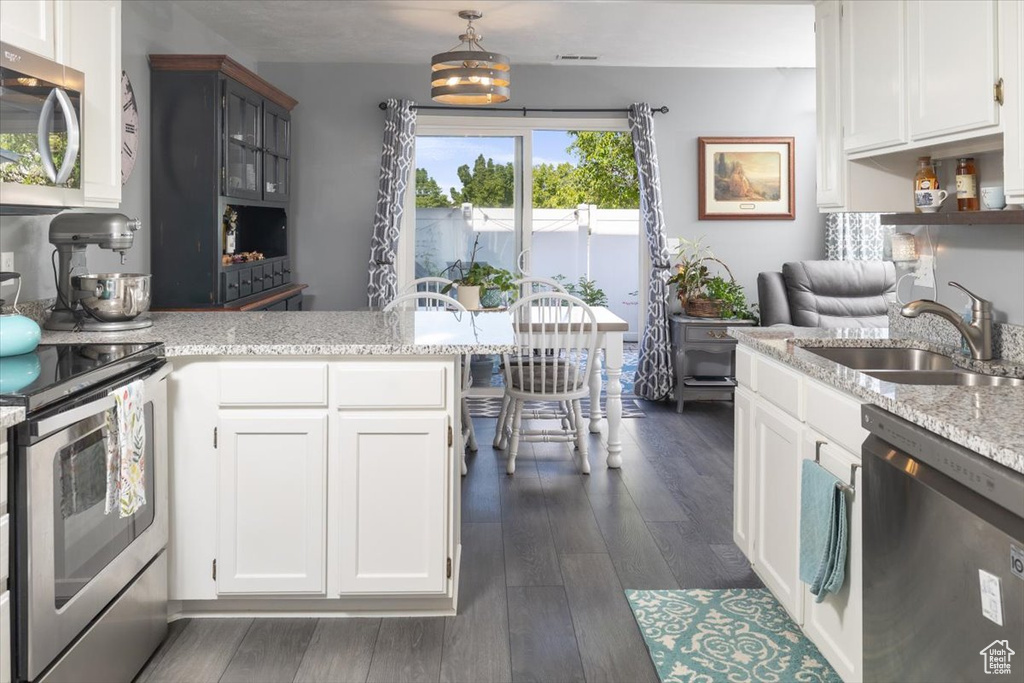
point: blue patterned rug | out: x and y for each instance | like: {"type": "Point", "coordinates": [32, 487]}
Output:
{"type": "Point", "coordinates": [736, 635]}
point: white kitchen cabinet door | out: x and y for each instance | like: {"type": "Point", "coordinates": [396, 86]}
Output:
{"type": "Point", "coordinates": [30, 25]}
{"type": "Point", "coordinates": [777, 445]}
{"type": "Point", "coordinates": [1011, 66]}
{"type": "Point", "coordinates": [836, 624]}
{"type": "Point", "coordinates": [93, 43]}
{"type": "Point", "coordinates": [6, 627]}
{"type": "Point", "coordinates": [951, 49]}
{"type": "Point", "coordinates": [272, 508]}
{"type": "Point", "coordinates": [873, 41]}
{"type": "Point", "coordinates": [831, 169]}
{"type": "Point", "coordinates": [393, 470]}
{"type": "Point", "coordinates": [743, 471]}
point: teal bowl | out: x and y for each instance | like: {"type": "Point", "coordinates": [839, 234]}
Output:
{"type": "Point", "coordinates": [18, 335]}
{"type": "Point", "coordinates": [17, 372]}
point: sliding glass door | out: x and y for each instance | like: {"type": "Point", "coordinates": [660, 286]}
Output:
{"type": "Point", "coordinates": [544, 198]}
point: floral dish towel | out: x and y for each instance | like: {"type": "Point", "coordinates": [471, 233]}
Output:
{"type": "Point", "coordinates": [126, 450]}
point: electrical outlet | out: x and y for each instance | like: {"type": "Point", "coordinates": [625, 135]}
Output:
{"type": "Point", "coordinates": [924, 274]}
{"type": "Point", "coordinates": [7, 261]}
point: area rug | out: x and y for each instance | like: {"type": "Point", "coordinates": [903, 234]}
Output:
{"type": "Point", "coordinates": [736, 635]}
{"type": "Point", "coordinates": [490, 406]}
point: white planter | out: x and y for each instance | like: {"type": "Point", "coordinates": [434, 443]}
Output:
{"type": "Point", "coordinates": [469, 296]}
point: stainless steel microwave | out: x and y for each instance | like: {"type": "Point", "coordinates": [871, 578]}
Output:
{"type": "Point", "coordinates": [41, 105]}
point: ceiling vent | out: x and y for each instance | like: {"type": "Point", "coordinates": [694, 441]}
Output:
{"type": "Point", "coordinates": [575, 58]}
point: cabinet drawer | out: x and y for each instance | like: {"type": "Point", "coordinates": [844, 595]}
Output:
{"type": "Point", "coordinates": [781, 386]}
{"type": "Point", "coordinates": [708, 334]}
{"type": "Point", "coordinates": [278, 268]}
{"type": "Point", "coordinates": [273, 384]}
{"type": "Point", "coordinates": [834, 414]}
{"type": "Point", "coordinates": [745, 368]}
{"type": "Point", "coordinates": [392, 385]}
{"type": "Point", "coordinates": [286, 270]}
{"type": "Point", "coordinates": [257, 279]}
{"type": "Point", "coordinates": [245, 282]}
{"type": "Point", "coordinates": [5, 539]}
{"type": "Point", "coordinates": [229, 285]}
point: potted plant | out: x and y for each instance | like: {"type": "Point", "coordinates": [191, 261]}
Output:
{"type": "Point", "coordinates": [478, 285]}
{"type": "Point", "coordinates": [702, 294]}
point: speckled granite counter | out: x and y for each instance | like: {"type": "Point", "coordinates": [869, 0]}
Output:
{"type": "Point", "coordinates": [10, 416]}
{"type": "Point", "coordinates": [321, 333]}
{"type": "Point", "coordinates": [988, 420]}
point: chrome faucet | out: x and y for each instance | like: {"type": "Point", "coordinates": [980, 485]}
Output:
{"type": "Point", "coordinates": [977, 334]}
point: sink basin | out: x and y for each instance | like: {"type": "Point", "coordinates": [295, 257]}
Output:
{"type": "Point", "coordinates": [945, 377]}
{"type": "Point", "coordinates": [864, 358]}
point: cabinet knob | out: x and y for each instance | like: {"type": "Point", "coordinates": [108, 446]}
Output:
{"type": "Point", "coordinates": [246, 282]}
{"type": "Point", "coordinates": [232, 285]}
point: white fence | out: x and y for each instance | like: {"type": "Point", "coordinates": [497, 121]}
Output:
{"type": "Point", "coordinates": [601, 244]}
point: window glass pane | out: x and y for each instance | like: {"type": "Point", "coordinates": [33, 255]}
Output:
{"type": "Point", "coordinates": [465, 198]}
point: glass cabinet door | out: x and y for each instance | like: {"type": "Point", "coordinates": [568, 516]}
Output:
{"type": "Point", "coordinates": [277, 146]}
{"type": "Point", "coordinates": [243, 168]}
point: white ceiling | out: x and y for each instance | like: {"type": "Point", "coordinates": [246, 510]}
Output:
{"type": "Point", "coordinates": [675, 33]}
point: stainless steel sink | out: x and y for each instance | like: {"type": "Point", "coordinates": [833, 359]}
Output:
{"type": "Point", "coordinates": [865, 358]}
{"type": "Point", "coordinates": [944, 377]}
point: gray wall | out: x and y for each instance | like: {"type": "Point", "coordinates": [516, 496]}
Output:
{"type": "Point", "coordinates": [146, 27]}
{"type": "Point", "coordinates": [337, 139]}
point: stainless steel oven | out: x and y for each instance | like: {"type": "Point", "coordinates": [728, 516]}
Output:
{"type": "Point", "coordinates": [91, 588]}
{"type": "Point", "coordinates": [40, 132]}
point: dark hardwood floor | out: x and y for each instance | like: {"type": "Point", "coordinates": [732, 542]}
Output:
{"type": "Point", "coordinates": [547, 554]}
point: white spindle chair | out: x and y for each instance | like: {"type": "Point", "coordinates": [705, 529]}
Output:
{"type": "Point", "coordinates": [434, 301]}
{"type": "Point", "coordinates": [427, 284]}
{"type": "Point", "coordinates": [534, 284]}
{"type": "Point", "coordinates": [555, 335]}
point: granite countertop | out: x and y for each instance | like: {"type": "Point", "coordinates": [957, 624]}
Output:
{"type": "Point", "coordinates": [321, 333]}
{"type": "Point", "coordinates": [10, 416]}
{"type": "Point", "coordinates": [987, 420]}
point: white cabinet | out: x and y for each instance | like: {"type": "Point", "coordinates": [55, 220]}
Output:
{"type": "Point", "coordinates": [743, 471]}
{"type": "Point", "coordinates": [1011, 60]}
{"type": "Point", "coordinates": [831, 167]}
{"type": "Point", "coordinates": [873, 39]}
{"type": "Point", "coordinates": [836, 624]}
{"type": "Point", "coordinates": [777, 445]}
{"type": "Point", "coordinates": [951, 49]}
{"type": "Point", "coordinates": [31, 25]}
{"type": "Point", "coordinates": [391, 519]}
{"type": "Point", "coordinates": [6, 674]}
{"type": "Point", "coordinates": [93, 44]}
{"type": "Point", "coordinates": [272, 508]}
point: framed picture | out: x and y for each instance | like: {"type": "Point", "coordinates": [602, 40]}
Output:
{"type": "Point", "coordinates": [745, 178]}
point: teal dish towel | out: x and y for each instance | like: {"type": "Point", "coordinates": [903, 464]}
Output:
{"type": "Point", "coordinates": [824, 535]}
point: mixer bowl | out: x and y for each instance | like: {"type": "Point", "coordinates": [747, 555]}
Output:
{"type": "Point", "coordinates": [113, 297]}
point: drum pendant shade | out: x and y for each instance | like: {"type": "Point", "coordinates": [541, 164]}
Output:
{"type": "Point", "coordinates": [468, 74]}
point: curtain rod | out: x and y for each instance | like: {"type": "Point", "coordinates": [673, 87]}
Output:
{"type": "Point", "coordinates": [524, 110]}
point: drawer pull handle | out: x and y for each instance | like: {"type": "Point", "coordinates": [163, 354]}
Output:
{"type": "Point", "coordinates": [718, 334]}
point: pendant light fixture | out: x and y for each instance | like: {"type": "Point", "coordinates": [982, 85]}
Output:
{"type": "Point", "coordinates": [468, 74]}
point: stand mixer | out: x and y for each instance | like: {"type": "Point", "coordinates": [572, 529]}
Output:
{"type": "Point", "coordinates": [107, 302]}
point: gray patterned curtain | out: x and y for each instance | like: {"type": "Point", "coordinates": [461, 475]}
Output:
{"type": "Point", "coordinates": [395, 165]}
{"type": "Point", "coordinates": [653, 379]}
{"type": "Point", "coordinates": [855, 237]}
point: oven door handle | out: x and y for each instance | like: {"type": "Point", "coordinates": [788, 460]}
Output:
{"type": "Point", "coordinates": [97, 407]}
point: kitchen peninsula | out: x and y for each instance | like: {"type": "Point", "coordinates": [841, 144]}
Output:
{"type": "Point", "coordinates": [314, 457]}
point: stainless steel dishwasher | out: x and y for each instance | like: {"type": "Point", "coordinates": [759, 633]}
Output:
{"type": "Point", "coordinates": [943, 558]}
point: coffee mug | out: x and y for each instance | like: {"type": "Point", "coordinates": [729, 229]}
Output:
{"type": "Point", "coordinates": [993, 198]}
{"type": "Point", "coordinates": [929, 201]}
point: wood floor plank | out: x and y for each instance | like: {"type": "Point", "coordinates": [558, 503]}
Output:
{"type": "Point", "coordinates": [690, 557]}
{"type": "Point", "coordinates": [611, 647]}
{"type": "Point", "coordinates": [542, 636]}
{"type": "Point", "coordinates": [738, 572]}
{"type": "Point", "coordinates": [340, 651]}
{"type": "Point", "coordinates": [573, 525]}
{"type": "Point", "coordinates": [202, 651]}
{"type": "Point", "coordinates": [174, 630]}
{"type": "Point", "coordinates": [530, 556]}
{"type": "Point", "coordinates": [408, 650]}
{"type": "Point", "coordinates": [270, 652]}
{"type": "Point", "coordinates": [638, 561]}
{"type": "Point", "coordinates": [476, 641]}
{"type": "Point", "coordinates": [480, 499]}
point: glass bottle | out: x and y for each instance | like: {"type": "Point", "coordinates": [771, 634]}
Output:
{"type": "Point", "coordinates": [967, 185]}
{"type": "Point", "coordinates": [924, 181]}
{"type": "Point", "coordinates": [230, 221]}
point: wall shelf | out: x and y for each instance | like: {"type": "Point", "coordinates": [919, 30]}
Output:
{"type": "Point", "coordinates": [1006, 217]}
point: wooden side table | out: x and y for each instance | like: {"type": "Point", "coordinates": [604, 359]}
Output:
{"type": "Point", "coordinates": [703, 358]}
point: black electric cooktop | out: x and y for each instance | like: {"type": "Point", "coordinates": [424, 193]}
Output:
{"type": "Point", "coordinates": [55, 371]}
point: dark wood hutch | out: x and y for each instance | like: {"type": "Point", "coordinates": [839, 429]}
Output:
{"type": "Point", "coordinates": [221, 139]}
